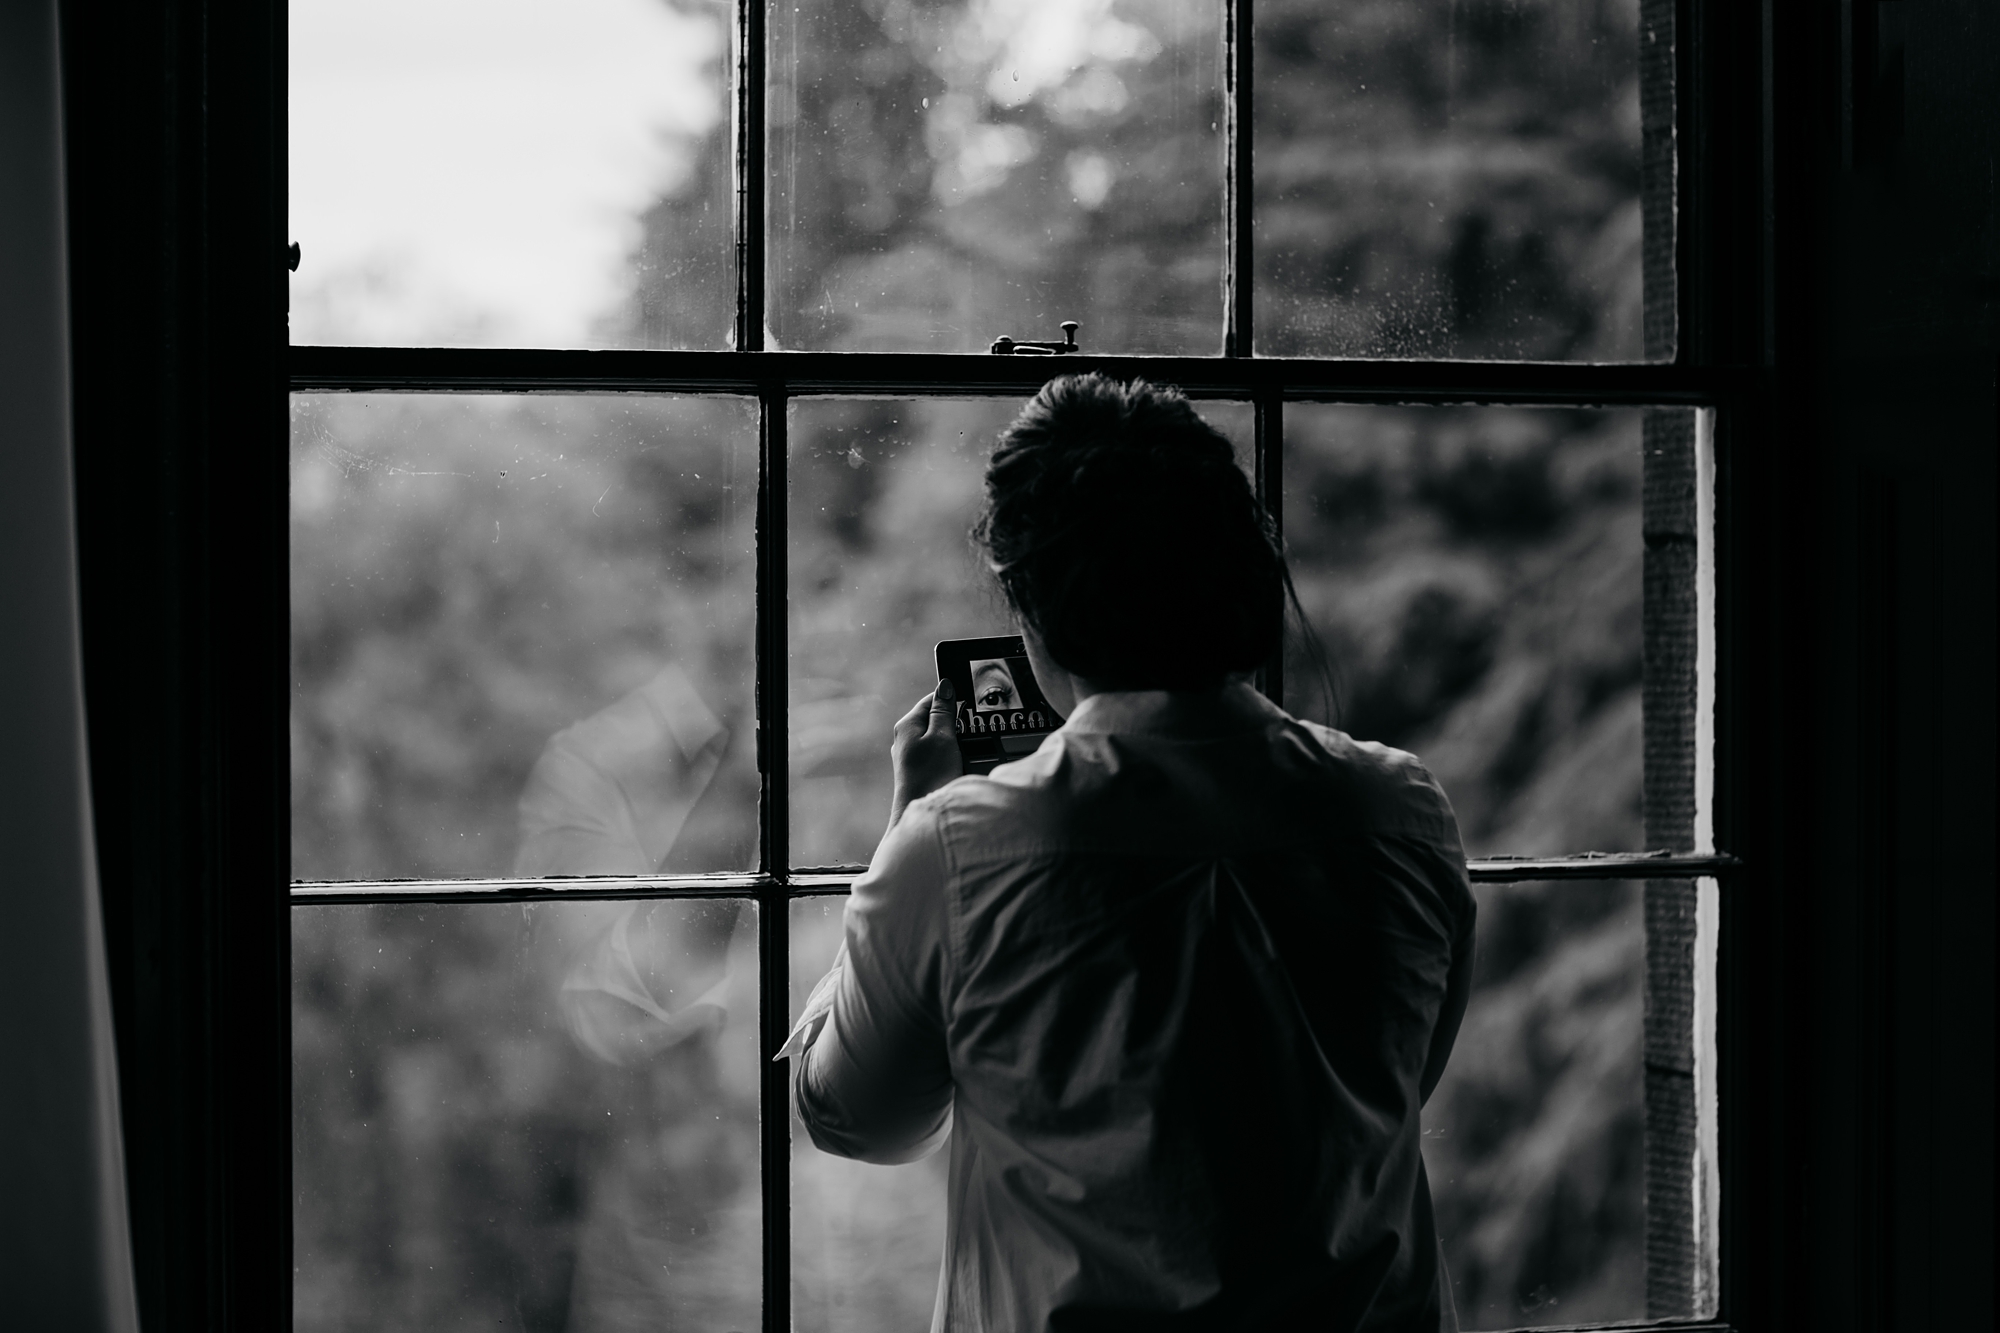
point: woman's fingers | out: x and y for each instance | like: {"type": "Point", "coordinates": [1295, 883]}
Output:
{"type": "Point", "coordinates": [914, 720]}
{"type": "Point", "coordinates": [924, 751]}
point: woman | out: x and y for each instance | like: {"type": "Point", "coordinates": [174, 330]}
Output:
{"type": "Point", "coordinates": [1178, 983]}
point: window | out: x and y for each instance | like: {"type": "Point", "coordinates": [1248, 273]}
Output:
{"type": "Point", "coordinates": [641, 385]}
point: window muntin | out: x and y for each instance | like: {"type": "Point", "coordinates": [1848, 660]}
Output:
{"type": "Point", "coordinates": [1680, 1274]}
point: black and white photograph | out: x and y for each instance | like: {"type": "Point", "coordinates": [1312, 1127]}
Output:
{"type": "Point", "coordinates": [998, 666]}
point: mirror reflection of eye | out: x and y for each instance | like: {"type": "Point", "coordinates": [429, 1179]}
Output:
{"type": "Point", "coordinates": [993, 686]}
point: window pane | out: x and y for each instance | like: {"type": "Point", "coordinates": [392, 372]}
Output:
{"type": "Point", "coordinates": [883, 494]}
{"type": "Point", "coordinates": [1534, 1141]}
{"type": "Point", "coordinates": [522, 635]}
{"type": "Point", "coordinates": [867, 1241]}
{"type": "Point", "coordinates": [525, 1116]}
{"type": "Point", "coordinates": [1462, 178]}
{"type": "Point", "coordinates": [1479, 581]}
{"type": "Point", "coordinates": [504, 172]}
{"type": "Point", "coordinates": [947, 173]}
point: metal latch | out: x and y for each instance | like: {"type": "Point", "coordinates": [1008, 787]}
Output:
{"type": "Point", "coordinates": [1008, 347]}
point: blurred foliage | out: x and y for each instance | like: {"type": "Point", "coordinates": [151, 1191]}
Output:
{"type": "Point", "coordinates": [1534, 1138]}
{"type": "Point", "coordinates": [882, 496]}
{"type": "Point", "coordinates": [1475, 577]}
{"type": "Point", "coordinates": [470, 576]}
{"type": "Point", "coordinates": [943, 173]}
{"type": "Point", "coordinates": [1452, 178]}
{"type": "Point", "coordinates": [867, 1241]}
{"type": "Point", "coordinates": [460, 1161]}
{"type": "Point", "coordinates": [1433, 178]}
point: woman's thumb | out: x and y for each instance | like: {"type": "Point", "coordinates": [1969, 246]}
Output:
{"type": "Point", "coordinates": [944, 704]}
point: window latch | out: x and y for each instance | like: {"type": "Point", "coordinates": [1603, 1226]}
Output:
{"type": "Point", "coordinates": [1004, 346]}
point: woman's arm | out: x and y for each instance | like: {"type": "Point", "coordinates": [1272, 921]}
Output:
{"type": "Point", "coordinates": [1457, 990]}
{"type": "Point", "coordinates": [874, 1080]}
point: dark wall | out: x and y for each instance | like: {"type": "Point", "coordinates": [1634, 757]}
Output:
{"type": "Point", "coordinates": [173, 143]}
{"type": "Point", "coordinates": [1887, 267]}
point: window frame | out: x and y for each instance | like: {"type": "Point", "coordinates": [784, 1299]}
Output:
{"type": "Point", "coordinates": [1710, 369]}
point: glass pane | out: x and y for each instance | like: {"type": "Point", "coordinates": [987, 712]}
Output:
{"type": "Point", "coordinates": [493, 173]}
{"type": "Point", "coordinates": [522, 635]}
{"type": "Point", "coordinates": [1475, 578]}
{"type": "Point", "coordinates": [525, 1116]}
{"type": "Point", "coordinates": [883, 494]}
{"type": "Point", "coordinates": [946, 173]}
{"type": "Point", "coordinates": [1459, 178]}
{"type": "Point", "coordinates": [867, 1241]}
{"type": "Point", "coordinates": [1534, 1140]}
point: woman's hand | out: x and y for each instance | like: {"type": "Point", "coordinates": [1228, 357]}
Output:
{"type": "Point", "coordinates": [923, 749]}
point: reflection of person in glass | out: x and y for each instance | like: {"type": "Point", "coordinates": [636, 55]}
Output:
{"type": "Point", "coordinates": [1176, 985]}
{"type": "Point", "coordinates": [644, 994]}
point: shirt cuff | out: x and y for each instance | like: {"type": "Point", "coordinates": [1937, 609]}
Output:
{"type": "Point", "coordinates": [818, 1006]}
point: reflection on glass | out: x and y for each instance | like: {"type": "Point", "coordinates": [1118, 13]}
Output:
{"type": "Point", "coordinates": [506, 172]}
{"type": "Point", "coordinates": [522, 635]}
{"type": "Point", "coordinates": [945, 174]}
{"type": "Point", "coordinates": [1534, 1139]}
{"type": "Point", "coordinates": [1475, 577]}
{"type": "Point", "coordinates": [525, 1116]}
{"type": "Point", "coordinates": [1455, 178]}
{"type": "Point", "coordinates": [867, 1241]}
{"type": "Point", "coordinates": [883, 494]}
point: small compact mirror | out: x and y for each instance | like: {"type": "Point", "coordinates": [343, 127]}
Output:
{"type": "Point", "coordinates": [1002, 713]}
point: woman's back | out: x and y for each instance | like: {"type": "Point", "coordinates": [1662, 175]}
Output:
{"type": "Point", "coordinates": [1179, 982]}
{"type": "Point", "coordinates": [1177, 979]}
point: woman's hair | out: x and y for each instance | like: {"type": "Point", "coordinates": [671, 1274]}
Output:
{"type": "Point", "coordinates": [1124, 534]}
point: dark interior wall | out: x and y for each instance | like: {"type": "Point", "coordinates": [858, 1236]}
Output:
{"type": "Point", "coordinates": [1857, 272]}
{"type": "Point", "coordinates": [173, 146]}
{"type": "Point", "coordinates": [1887, 266]}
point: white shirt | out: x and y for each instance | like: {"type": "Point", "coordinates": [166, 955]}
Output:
{"type": "Point", "coordinates": [1171, 985]}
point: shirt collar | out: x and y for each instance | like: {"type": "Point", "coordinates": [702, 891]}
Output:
{"type": "Point", "coordinates": [1234, 707]}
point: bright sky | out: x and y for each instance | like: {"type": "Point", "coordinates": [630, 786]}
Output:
{"type": "Point", "coordinates": [471, 171]}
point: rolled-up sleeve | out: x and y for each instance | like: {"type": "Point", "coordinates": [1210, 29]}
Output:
{"type": "Point", "coordinates": [875, 1084]}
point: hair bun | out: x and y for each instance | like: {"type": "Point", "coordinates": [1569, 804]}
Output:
{"type": "Point", "coordinates": [1125, 535]}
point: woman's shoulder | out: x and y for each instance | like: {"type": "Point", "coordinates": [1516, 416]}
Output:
{"type": "Point", "coordinates": [1027, 806]}
{"type": "Point", "coordinates": [1390, 789]}
{"type": "Point", "coordinates": [1285, 778]}
{"type": "Point", "coordinates": [1002, 794]}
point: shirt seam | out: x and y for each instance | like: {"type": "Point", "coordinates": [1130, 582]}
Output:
{"type": "Point", "coordinates": [953, 944]}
